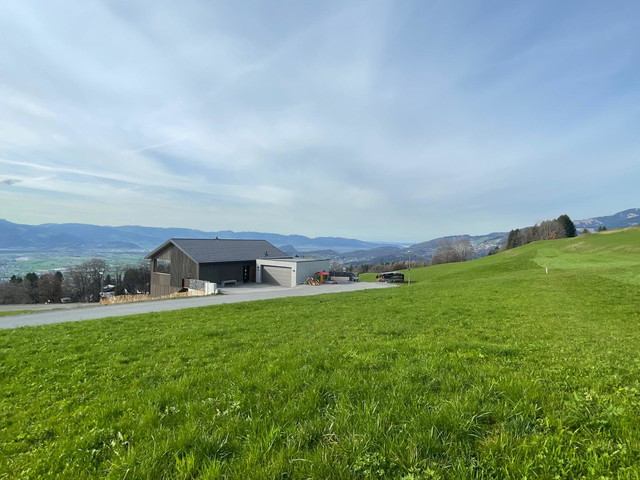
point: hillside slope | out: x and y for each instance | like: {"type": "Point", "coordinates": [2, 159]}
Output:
{"type": "Point", "coordinates": [487, 369]}
{"type": "Point", "coordinates": [612, 254]}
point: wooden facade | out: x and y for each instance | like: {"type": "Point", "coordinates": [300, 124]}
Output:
{"type": "Point", "coordinates": [160, 285]}
{"type": "Point", "coordinates": [183, 266]}
{"type": "Point", "coordinates": [180, 268]}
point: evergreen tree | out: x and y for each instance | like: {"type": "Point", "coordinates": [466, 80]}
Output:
{"type": "Point", "coordinates": [514, 239]}
{"type": "Point", "coordinates": [31, 286]}
{"type": "Point", "coordinates": [567, 225]}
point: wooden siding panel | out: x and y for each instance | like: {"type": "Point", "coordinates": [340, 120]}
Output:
{"type": "Point", "coordinates": [181, 267]}
{"type": "Point", "coordinates": [165, 254]}
{"type": "Point", "coordinates": [161, 285]}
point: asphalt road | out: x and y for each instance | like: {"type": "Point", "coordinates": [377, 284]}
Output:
{"type": "Point", "coordinates": [236, 294]}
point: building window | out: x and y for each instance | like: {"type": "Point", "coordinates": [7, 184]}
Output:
{"type": "Point", "coordinates": [163, 266]}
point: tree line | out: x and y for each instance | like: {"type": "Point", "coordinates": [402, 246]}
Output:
{"type": "Point", "coordinates": [461, 249]}
{"type": "Point", "coordinates": [81, 283]}
{"type": "Point", "coordinates": [561, 227]}
{"type": "Point", "coordinates": [452, 251]}
{"type": "Point", "coordinates": [388, 267]}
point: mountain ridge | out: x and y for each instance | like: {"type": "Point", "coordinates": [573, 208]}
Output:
{"type": "Point", "coordinates": [623, 219]}
{"type": "Point", "coordinates": [135, 239]}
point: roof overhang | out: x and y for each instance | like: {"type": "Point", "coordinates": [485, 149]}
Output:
{"type": "Point", "coordinates": [157, 251]}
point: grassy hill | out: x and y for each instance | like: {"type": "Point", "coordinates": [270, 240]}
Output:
{"type": "Point", "coordinates": [490, 368]}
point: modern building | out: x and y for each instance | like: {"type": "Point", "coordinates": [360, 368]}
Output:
{"type": "Point", "coordinates": [216, 260]}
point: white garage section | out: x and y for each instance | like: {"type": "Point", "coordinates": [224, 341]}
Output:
{"type": "Point", "coordinates": [276, 275]}
{"type": "Point", "coordinates": [288, 272]}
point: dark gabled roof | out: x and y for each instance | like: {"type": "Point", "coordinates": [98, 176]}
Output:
{"type": "Point", "coordinates": [215, 250]}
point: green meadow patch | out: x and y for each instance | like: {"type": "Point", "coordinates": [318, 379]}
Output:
{"type": "Point", "coordinates": [487, 369]}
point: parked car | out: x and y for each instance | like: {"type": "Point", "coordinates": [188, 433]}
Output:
{"type": "Point", "coordinates": [392, 277]}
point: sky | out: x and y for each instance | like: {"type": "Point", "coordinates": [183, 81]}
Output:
{"type": "Point", "coordinates": [379, 120]}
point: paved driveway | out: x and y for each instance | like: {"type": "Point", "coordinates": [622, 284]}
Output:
{"type": "Point", "coordinates": [236, 294]}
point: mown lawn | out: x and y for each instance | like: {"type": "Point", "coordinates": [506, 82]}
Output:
{"type": "Point", "coordinates": [489, 369]}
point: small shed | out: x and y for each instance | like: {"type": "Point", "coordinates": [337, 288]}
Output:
{"type": "Point", "coordinates": [288, 272]}
{"type": "Point", "coordinates": [322, 276]}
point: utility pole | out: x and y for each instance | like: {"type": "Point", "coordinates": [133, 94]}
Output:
{"type": "Point", "coordinates": [409, 267]}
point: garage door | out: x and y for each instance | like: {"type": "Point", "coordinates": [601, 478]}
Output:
{"type": "Point", "coordinates": [276, 275]}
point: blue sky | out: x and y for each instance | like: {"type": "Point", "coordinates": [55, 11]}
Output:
{"type": "Point", "coordinates": [398, 121]}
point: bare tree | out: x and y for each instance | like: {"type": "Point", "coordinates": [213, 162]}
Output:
{"type": "Point", "coordinates": [443, 253]}
{"type": "Point", "coordinates": [118, 277]}
{"type": "Point", "coordinates": [550, 229]}
{"type": "Point", "coordinates": [464, 249]}
{"type": "Point", "coordinates": [137, 279]}
{"type": "Point", "coordinates": [336, 267]}
{"type": "Point", "coordinates": [86, 279]}
{"type": "Point", "coordinates": [448, 251]}
{"type": "Point", "coordinates": [12, 292]}
{"type": "Point", "coordinates": [50, 287]}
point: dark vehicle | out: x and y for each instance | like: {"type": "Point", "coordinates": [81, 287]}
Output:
{"type": "Point", "coordinates": [345, 276]}
{"type": "Point", "coordinates": [392, 277]}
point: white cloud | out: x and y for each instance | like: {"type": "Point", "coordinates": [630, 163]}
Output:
{"type": "Point", "coordinates": [325, 119]}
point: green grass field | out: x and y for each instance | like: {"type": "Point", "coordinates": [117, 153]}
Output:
{"type": "Point", "coordinates": [487, 369]}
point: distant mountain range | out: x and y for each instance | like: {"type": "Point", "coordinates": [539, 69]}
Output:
{"type": "Point", "coordinates": [83, 236]}
{"type": "Point", "coordinates": [627, 218]}
{"type": "Point", "coordinates": [91, 238]}
{"type": "Point", "coordinates": [419, 251]}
